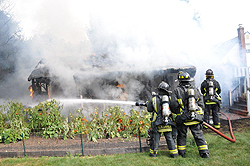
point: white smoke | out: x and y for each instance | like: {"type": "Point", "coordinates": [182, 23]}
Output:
{"type": "Point", "coordinates": [134, 34]}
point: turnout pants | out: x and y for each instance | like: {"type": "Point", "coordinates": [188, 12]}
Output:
{"type": "Point", "coordinates": [170, 143]}
{"type": "Point", "coordinates": [197, 133]}
{"type": "Point", "coordinates": [215, 110]}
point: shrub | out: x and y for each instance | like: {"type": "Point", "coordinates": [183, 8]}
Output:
{"type": "Point", "coordinates": [78, 124]}
{"type": "Point", "coordinates": [114, 122]}
{"type": "Point", "coordinates": [46, 120]}
{"type": "Point", "coordinates": [46, 117]}
{"type": "Point", "coordinates": [14, 125]}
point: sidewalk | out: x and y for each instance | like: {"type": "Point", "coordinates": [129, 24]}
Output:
{"type": "Point", "coordinates": [231, 116]}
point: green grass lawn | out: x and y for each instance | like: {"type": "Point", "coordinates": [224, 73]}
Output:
{"type": "Point", "coordinates": [222, 152]}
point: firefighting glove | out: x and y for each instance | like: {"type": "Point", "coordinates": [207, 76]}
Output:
{"type": "Point", "coordinates": [198, 117]}
{"type": "Point", "coordinates": [181, 118]}
{"type": "Point", "coordinates": [213, 99]}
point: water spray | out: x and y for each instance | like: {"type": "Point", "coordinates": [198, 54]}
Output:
{"type": "Point", "coordinates": [72, 101]}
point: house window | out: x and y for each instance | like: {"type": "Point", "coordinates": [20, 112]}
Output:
{"type": "Point", "coordinates": [248, 47]}
{"type": "Point", "coordinates": [247, 36]}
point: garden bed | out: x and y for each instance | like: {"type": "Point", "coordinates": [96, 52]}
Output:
{"type": "Point", "coordinates": [36, 146]}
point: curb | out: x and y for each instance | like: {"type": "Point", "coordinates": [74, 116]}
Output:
{"type": "Point", "coordinates": [87, 152]}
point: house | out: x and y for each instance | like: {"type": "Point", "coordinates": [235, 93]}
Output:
{"type": "Point", "coordinates": [233, 57]}
{"type": "Point", "coordinates": [126, 84]}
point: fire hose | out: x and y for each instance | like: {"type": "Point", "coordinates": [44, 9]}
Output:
{"type": "Point", "coordinates": [218, 132]}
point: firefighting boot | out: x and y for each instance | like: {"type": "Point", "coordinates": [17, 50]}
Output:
{"type": "Point", "coordinates": [205, 127]}
{"type": "Point", "coordinates": [153, 153]}
{"type": "Point", "coordinates": [182, 154]}
{"type": "Point", "coordinates": [217, 126]}
{"type": "Point", "coordinates": [173, 155]}
{"type": "Point", "coordinates": [204, 155]}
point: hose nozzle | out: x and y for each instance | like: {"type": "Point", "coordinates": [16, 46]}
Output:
{"type": "Point", "coordinates": [141, 104]}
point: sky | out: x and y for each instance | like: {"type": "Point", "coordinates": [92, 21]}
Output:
{"type": "Point", "coordinates": [140, 33]}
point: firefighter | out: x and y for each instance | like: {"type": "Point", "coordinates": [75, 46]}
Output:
{"type": "Point", "coordinates": [161, 121]}
{"type": "Point", "coordinates": [187, 103]}
{"type": "Point", "coordinates": [210, 88]}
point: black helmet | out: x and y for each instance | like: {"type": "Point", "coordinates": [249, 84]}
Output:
{"type": "Point", "coordinates": [184, 76]}
{"type": "Point", "coordinates": [163, 86]}
{"type": "Point", "coordinates": [209, 72]}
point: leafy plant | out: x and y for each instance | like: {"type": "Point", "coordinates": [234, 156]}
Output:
{"type": "Point", "coordinates": [114, 122]}
{"type": "Point", "coordinates": [96, 129]}
{"type": "Point", "coordinates": [77, 123]}
{"type": "Point", "coordinates": [14, 113]}
{"type": "Point", "coordinates": [47, 118]}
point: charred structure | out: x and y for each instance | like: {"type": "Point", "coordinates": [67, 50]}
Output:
{"type": "Point", "coordinates": [101, 83]}
{"type": "Point", "coordinates": [43, 83]}
{"type": "Point", "coordinates": [125, 85]}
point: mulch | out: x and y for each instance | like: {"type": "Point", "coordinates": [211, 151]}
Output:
{"type": "Point", "coordinates": [36, 146]}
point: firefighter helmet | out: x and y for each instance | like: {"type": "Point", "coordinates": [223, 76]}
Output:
{"type": "Point", "coordinates": [163, 86]}
{"type": "Point", "coordinates": [209, 72]}
{"type": "Point", "coordinates": [184, 76]}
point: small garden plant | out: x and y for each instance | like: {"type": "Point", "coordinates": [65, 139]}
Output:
{"type": "Point", "coordinates": [46, 120]}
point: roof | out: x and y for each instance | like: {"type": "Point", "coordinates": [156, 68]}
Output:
{"type": "Point", "coordinates": [113, 75]}
{"type": "Point", "coordinates": [222, 49]}
{"type": "Point", "coordinates": [40, 71]}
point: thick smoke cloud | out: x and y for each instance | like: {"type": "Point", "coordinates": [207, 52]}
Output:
{"type": "Point", "coordinates": [138, 35]}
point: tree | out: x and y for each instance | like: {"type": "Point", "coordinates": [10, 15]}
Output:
{"type": "Point", "coordinates": [9, 39]}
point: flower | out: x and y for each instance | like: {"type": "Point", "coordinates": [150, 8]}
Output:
{"type": "Point", "coordinates": [120, 120]}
